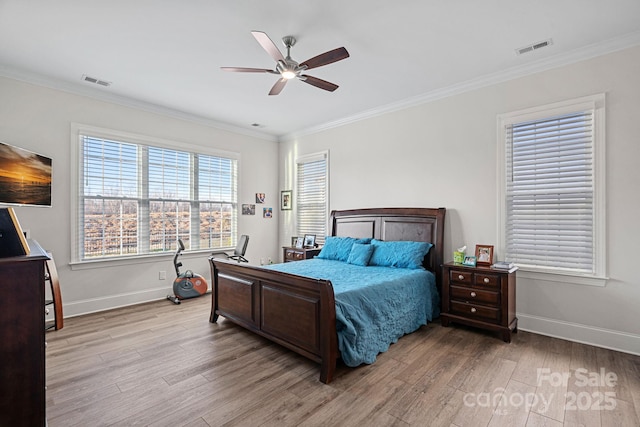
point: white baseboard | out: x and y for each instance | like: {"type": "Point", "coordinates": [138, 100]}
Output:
{"type": "Point", "coordinates": [93, 305]}
{"type": "Point", "coordinates": [599, 337]}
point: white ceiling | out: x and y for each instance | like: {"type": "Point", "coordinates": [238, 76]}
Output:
{"type": "Point", "coordinates": [166, 55]}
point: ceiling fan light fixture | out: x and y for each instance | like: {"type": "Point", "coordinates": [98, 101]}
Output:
{"type": "Point", "coordinates": [288, 74]}
{"type": "Point", "coordinates": [286, 70]}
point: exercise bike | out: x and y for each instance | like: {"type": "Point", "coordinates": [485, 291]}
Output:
{"type": "Point", "coordinates": [187, 284]}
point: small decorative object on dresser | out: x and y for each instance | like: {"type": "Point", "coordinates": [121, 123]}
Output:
{"type": "Point", "coordinates": [484, 254]}
{"type": "Point", "coordinates": [480, 296]}
{"type": "Point", "coordinates": [469, 261]}
{"type": "Point", "coordinates": [299, 242]}
{"type": "Point", "coordinates": [503, 265]}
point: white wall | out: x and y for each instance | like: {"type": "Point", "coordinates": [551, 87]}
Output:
{"type": "Point", "coordinates": [38, 119]}
{"type": "Point", "coordinates": [443, 153]}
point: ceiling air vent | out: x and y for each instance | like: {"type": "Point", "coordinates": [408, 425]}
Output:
{"type": "Point", "coordinates": [534, 46]}
{"type": "Point", "coordinates": [96, 81]}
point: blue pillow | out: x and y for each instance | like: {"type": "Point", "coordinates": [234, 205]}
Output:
{"type": "Point", "coordinates": [338, 248]}
{"type": "Point", "coordinates": [400, 254]}
{"type": "Point", "coordinates": [360, 254]}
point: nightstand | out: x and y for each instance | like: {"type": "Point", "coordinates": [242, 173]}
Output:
{"type": "Point", "coordinates": [482, 297]}
{"type": "Point", "coordinates": [291, 253]}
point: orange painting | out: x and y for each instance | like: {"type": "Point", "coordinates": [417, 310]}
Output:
{"type": "Point", "coordinates": [25, 177]}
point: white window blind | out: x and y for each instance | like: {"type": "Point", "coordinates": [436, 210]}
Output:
{"type": "Point", "coordinates": [137, 199]}
{"type": "Point", "coordinates": [551, 210]}
{"type": "Point", "coordinates": [311, 196]}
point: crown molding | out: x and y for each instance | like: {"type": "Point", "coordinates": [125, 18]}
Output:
{"type": "Point", "coordinates": [555, 61]}
{"type": "Point", "coordinates": [102, 95]}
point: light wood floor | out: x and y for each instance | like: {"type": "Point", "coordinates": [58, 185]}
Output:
{"type": "Point", "coordinates": [165, 365]}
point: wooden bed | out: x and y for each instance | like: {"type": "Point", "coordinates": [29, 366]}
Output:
{"type": "Point", "coordinates": [300, 313]}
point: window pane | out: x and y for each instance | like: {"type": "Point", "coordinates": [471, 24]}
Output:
{"type": "Point", "coordinates": [216, 225]}
{"type": "Point", "coordinates": [169, 174]}
{"type": "Point", "coordinates": [111, 228]}
{"type": "Point", "coordinates": [168, 222]}
{"type": "Point", "coordinates": [216, 179]}
{"type": "Point", "coordinates": [110, 168]}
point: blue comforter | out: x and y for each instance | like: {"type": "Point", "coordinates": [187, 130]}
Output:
{"type": "Point", "coordinates": [375, 306]}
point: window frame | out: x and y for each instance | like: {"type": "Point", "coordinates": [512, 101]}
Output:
{"type": "Point", "coordinates": [595, 103]}
{"type": "Point", "coordinates": [322, 155]}
{"type": "Point", "coordinates": [77, 132]}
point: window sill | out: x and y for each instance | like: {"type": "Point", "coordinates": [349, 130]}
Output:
{"type": "Point", "coordinates": [139, 259]}
{"type": "Point", "coordinates": [563, 277]}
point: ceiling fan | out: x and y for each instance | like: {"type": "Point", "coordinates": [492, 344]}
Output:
{"type": "Point", "coordinates": [288, 69]}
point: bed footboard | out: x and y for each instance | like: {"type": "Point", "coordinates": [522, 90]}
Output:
{"type": "Point", "coordinates": [294, 311]}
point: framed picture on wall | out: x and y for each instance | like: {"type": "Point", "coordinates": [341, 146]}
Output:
{"type": "Point", "coordinates": [248, 209]}
{"type": "Point", "coordinates": [285, 200]}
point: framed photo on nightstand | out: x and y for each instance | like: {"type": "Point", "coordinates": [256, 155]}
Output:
{"type": "Point", "coordinates": [309, 240]}
{"type": "Point", "coordinates": [484, 254]}
{"type": "Point", "coordinates": [469, 261]}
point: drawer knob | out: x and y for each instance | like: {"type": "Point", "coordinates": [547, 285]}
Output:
{"type": "Point", "coordinates": [486, 280]}
{"type": "Point", "coordinates": [473, 309]}
{"type": "Point", "coordinates": [473, 294]}
{"type": "Point", "coordinates": [46, 311]}
{"type": "Point", "coordinates": [460, 277]}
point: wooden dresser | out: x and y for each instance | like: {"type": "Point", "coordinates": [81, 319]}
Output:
{"type": "Point", "coordinates": [482, 297]}
{"type": "Point", "coordinates": [291, 253]}
{"type": "Point", "coordinates": [22, 377]}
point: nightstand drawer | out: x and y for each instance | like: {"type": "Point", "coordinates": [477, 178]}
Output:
{"type": "Point", "coordinates": [462, 277]}
{"type": "Point", "coordinates": [473, 295]}
{"type": "Point", "coordinates": [291, 253]}
{"type": "Point", "coordinates": [486, 280]}
{"type": "Point", "coordinates": [472, 311]}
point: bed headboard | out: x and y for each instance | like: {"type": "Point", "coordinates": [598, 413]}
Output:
{"type": "Point", "coordinates": [416, 224]}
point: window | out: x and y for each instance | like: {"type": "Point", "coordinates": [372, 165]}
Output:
{"type": "Point", "coordinates": [312, 195]}
{"type": "Point", "coordinates": [552, 179]}
{"type": "Point", "coordinates": [136, 197]}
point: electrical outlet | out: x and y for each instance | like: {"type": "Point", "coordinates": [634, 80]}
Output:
{"type": "Point", "coordinates": [162, 275]}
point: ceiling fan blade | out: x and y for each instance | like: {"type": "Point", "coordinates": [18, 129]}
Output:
{"type": "Point", "coordinates": [248, 70]}
{"type": "Point", "coordinates": [268, 45]}
{"type": "Point", "coordinates": [326, 58]}
{"type": "Point", "coordinates": [322, 84]}
{"type": "Point", "coordinates": [277, 88]}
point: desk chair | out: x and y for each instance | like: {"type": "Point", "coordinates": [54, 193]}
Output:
{"type": "Point", "coordinates": [238, 253]}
